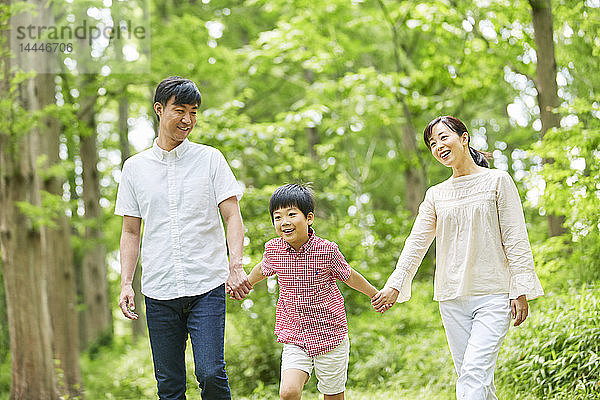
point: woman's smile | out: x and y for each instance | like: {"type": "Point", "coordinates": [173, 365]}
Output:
{"type": "Point", "coordinates": [444, 154]}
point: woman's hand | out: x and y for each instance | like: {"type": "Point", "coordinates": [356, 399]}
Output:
{"type": "Point", "coordinates": [384, 299]}
{"type": "Point", "coordinates": [519, 309]}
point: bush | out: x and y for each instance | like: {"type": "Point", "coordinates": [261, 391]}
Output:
{"type": "Point", "coordinates": [557, 354]}
{"type": "Point", "coordinates": [122, 370]}
{"type": "Point", "coordinates": [252, 353]}
{"type": "Point", "coordinates": [404, 348]}
{"type": "Point", "coordinates": [402, 351]}
{"type": "Point", "coordinates": [5, 377]}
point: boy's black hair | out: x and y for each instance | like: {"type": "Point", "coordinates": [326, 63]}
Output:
{"type": "Point", "coordinates": [184, 90]}
{"type": "Point", "coordinates": [293, 195]}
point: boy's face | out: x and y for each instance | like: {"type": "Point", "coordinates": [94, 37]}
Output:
{"type": "Point", "coordinates": [292, 225]}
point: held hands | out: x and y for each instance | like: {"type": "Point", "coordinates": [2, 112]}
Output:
{"type": "Point", "coordinates": [237, 285]}
{"type": "Point", "coordinates": [384, 299]}
{"type": "Point", "coordinates": [126, 302]}
{"type": "Point", "coordinates": [519, 309]}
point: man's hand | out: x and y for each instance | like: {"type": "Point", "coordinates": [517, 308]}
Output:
{"type": "Point", "coordinates": [519, 309]}
{"type": "Point", "coordinates": [237, 284]}
{"type": "Point", "coordinates": [384, 299]}
{"type": "Point", "coordinates": [126, 302]}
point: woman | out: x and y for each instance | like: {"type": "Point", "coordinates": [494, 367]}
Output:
{"type": "Point", "coordinates": [484, 265]}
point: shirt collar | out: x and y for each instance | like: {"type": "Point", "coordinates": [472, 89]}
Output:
{"type": "Point", "coordinates": [306, 246]}
{"type": "Point", "coordinates": [177, 152]}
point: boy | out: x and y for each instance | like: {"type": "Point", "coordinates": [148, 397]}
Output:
{"type": "Point", "coordinates": [310, 316]}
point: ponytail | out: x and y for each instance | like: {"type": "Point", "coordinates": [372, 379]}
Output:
{"type": "Point", "coordinates": [479, 157]}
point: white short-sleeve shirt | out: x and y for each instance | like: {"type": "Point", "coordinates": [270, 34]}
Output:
{"type": "Point", "coordinates": [177, 194]}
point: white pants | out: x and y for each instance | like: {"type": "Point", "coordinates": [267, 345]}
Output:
{"type": "Point", "coordinates": [475, 328]}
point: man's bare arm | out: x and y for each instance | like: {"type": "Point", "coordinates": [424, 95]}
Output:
{"type": "Point", "coordinates": [237, 283]}
{"type": "Point", "coordinates": [129, 251]}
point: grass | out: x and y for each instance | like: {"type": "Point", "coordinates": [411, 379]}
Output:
{"type": "Point", "coordinates": [401, 354]}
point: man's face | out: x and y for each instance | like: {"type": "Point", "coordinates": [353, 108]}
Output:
{"type": "Point", "coordinates": [176, 120]}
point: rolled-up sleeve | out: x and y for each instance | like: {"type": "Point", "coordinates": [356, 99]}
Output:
{"type": "Point", "coordinates": [267, 268]}
{"type": "Point", "coordinates": [126, 203]}
{"type": "Point", "coordinates": [523, 279]}
{"type": "Point", "coordinates": [415, 247]}
{"type": "Point", "coordinates": [224, 181]}
{"type": "Point", "coordinates": [339, 266]}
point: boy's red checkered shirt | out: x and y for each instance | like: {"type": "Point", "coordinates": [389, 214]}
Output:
{"type": "Point", "coordinates": [310, 310]}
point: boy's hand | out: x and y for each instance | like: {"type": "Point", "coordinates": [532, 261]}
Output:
{"type": "Point", "coordinates": [237, 285]}
{"type": "Point", "coordinates": [384, 299]}
{"type": "Point", "coordinates": [385, 306]}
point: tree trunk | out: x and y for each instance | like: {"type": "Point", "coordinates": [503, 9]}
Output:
{"type": "Point", "coordinates": [312, 134]}
{"type": "Point", "coordinates": [414, 169]}
{"type": "Point", "coordinates": [4, 338]}
{"type": "Point", "coordinates": [414, 173]}
{"type": "Point", "coordinates": [546, 85]}
{"type": "Point", "coordinates": [58, 257]}
{"type": "Point", "coordinates": [97, 314]}
{"type": "Point", "coordinates": [312, 137]}
{"type": "Point", "coordinates": [21, 240]}
{"type": "Point", "coordinates": [76, 253]}
{"type": "Point", "coordinates": [138, 326]}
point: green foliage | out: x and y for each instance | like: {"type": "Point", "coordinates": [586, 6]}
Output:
{"type": "Point", "coordinates": [402, 348]}
{"type": "Point", "coordinates": [324, 92]}
{"type": "Point", "coordinates": [5, 365]}
{"type": "Point", "coordinates": [45, 214]}
{"type": "Point", "coordinates": [571, 189]}
{"type": "Point", "coordinates": [557, 354]}
{"type": "Point", "coordinates": [5, 377]}
{"type": "Point", "coordinates": [123, 371]}
{"type": "Point", "coordinates": [251, 350]}
{"type": "Point", "coordinates": [4, 338]}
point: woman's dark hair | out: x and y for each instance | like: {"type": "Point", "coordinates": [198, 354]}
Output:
{"type": "Point", "coordinates": [293, 195]}
{"type": "Point", "coordinates": [456, 126]}
{"type": "Point", "coordinates": [184, 90]}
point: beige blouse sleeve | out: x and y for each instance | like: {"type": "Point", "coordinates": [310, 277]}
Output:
{"type": "Point", "coordinates": [523, 279]}
{"type": "Point", "coordinates": [415, 247]}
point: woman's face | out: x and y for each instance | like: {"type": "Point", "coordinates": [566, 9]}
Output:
{"type": "Point", "coordinates": [447, 146]}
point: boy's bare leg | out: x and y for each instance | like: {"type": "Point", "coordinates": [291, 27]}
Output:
{"type": "Point", "coordinates": [292, 383]}
{"type": "Point", "coordinates": [339, 396]}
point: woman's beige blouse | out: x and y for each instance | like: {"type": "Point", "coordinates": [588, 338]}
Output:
{"type": "Point", "coordinates": [481, 240]}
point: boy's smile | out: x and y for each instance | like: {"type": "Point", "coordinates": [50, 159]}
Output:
{"type": "Point", "coordinates": [292, 225]}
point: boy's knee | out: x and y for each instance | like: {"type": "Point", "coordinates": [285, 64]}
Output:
{"type": "Point", "coordinates": [290, 393]}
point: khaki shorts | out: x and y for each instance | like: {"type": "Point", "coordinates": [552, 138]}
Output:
{"type": "Point", "coordinates": [331, 369]}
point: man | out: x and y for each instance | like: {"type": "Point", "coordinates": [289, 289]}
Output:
{"type": "Point", "coordinates": [178, 189]}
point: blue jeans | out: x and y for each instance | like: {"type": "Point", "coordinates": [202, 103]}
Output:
{"type": "Point", "coordinates": [169, 323]}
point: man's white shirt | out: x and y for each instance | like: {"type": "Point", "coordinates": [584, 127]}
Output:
{"type": "Point", "coordinates": [177, 194]}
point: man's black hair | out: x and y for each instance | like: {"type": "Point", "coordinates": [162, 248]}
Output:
{"type": "Point", "coordinates": [293, 195]}
{"type": "Point", "coordinates": [184, 90]}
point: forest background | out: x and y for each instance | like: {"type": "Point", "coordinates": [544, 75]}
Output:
{"type": "Point", "coordinates": [335, 93]}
